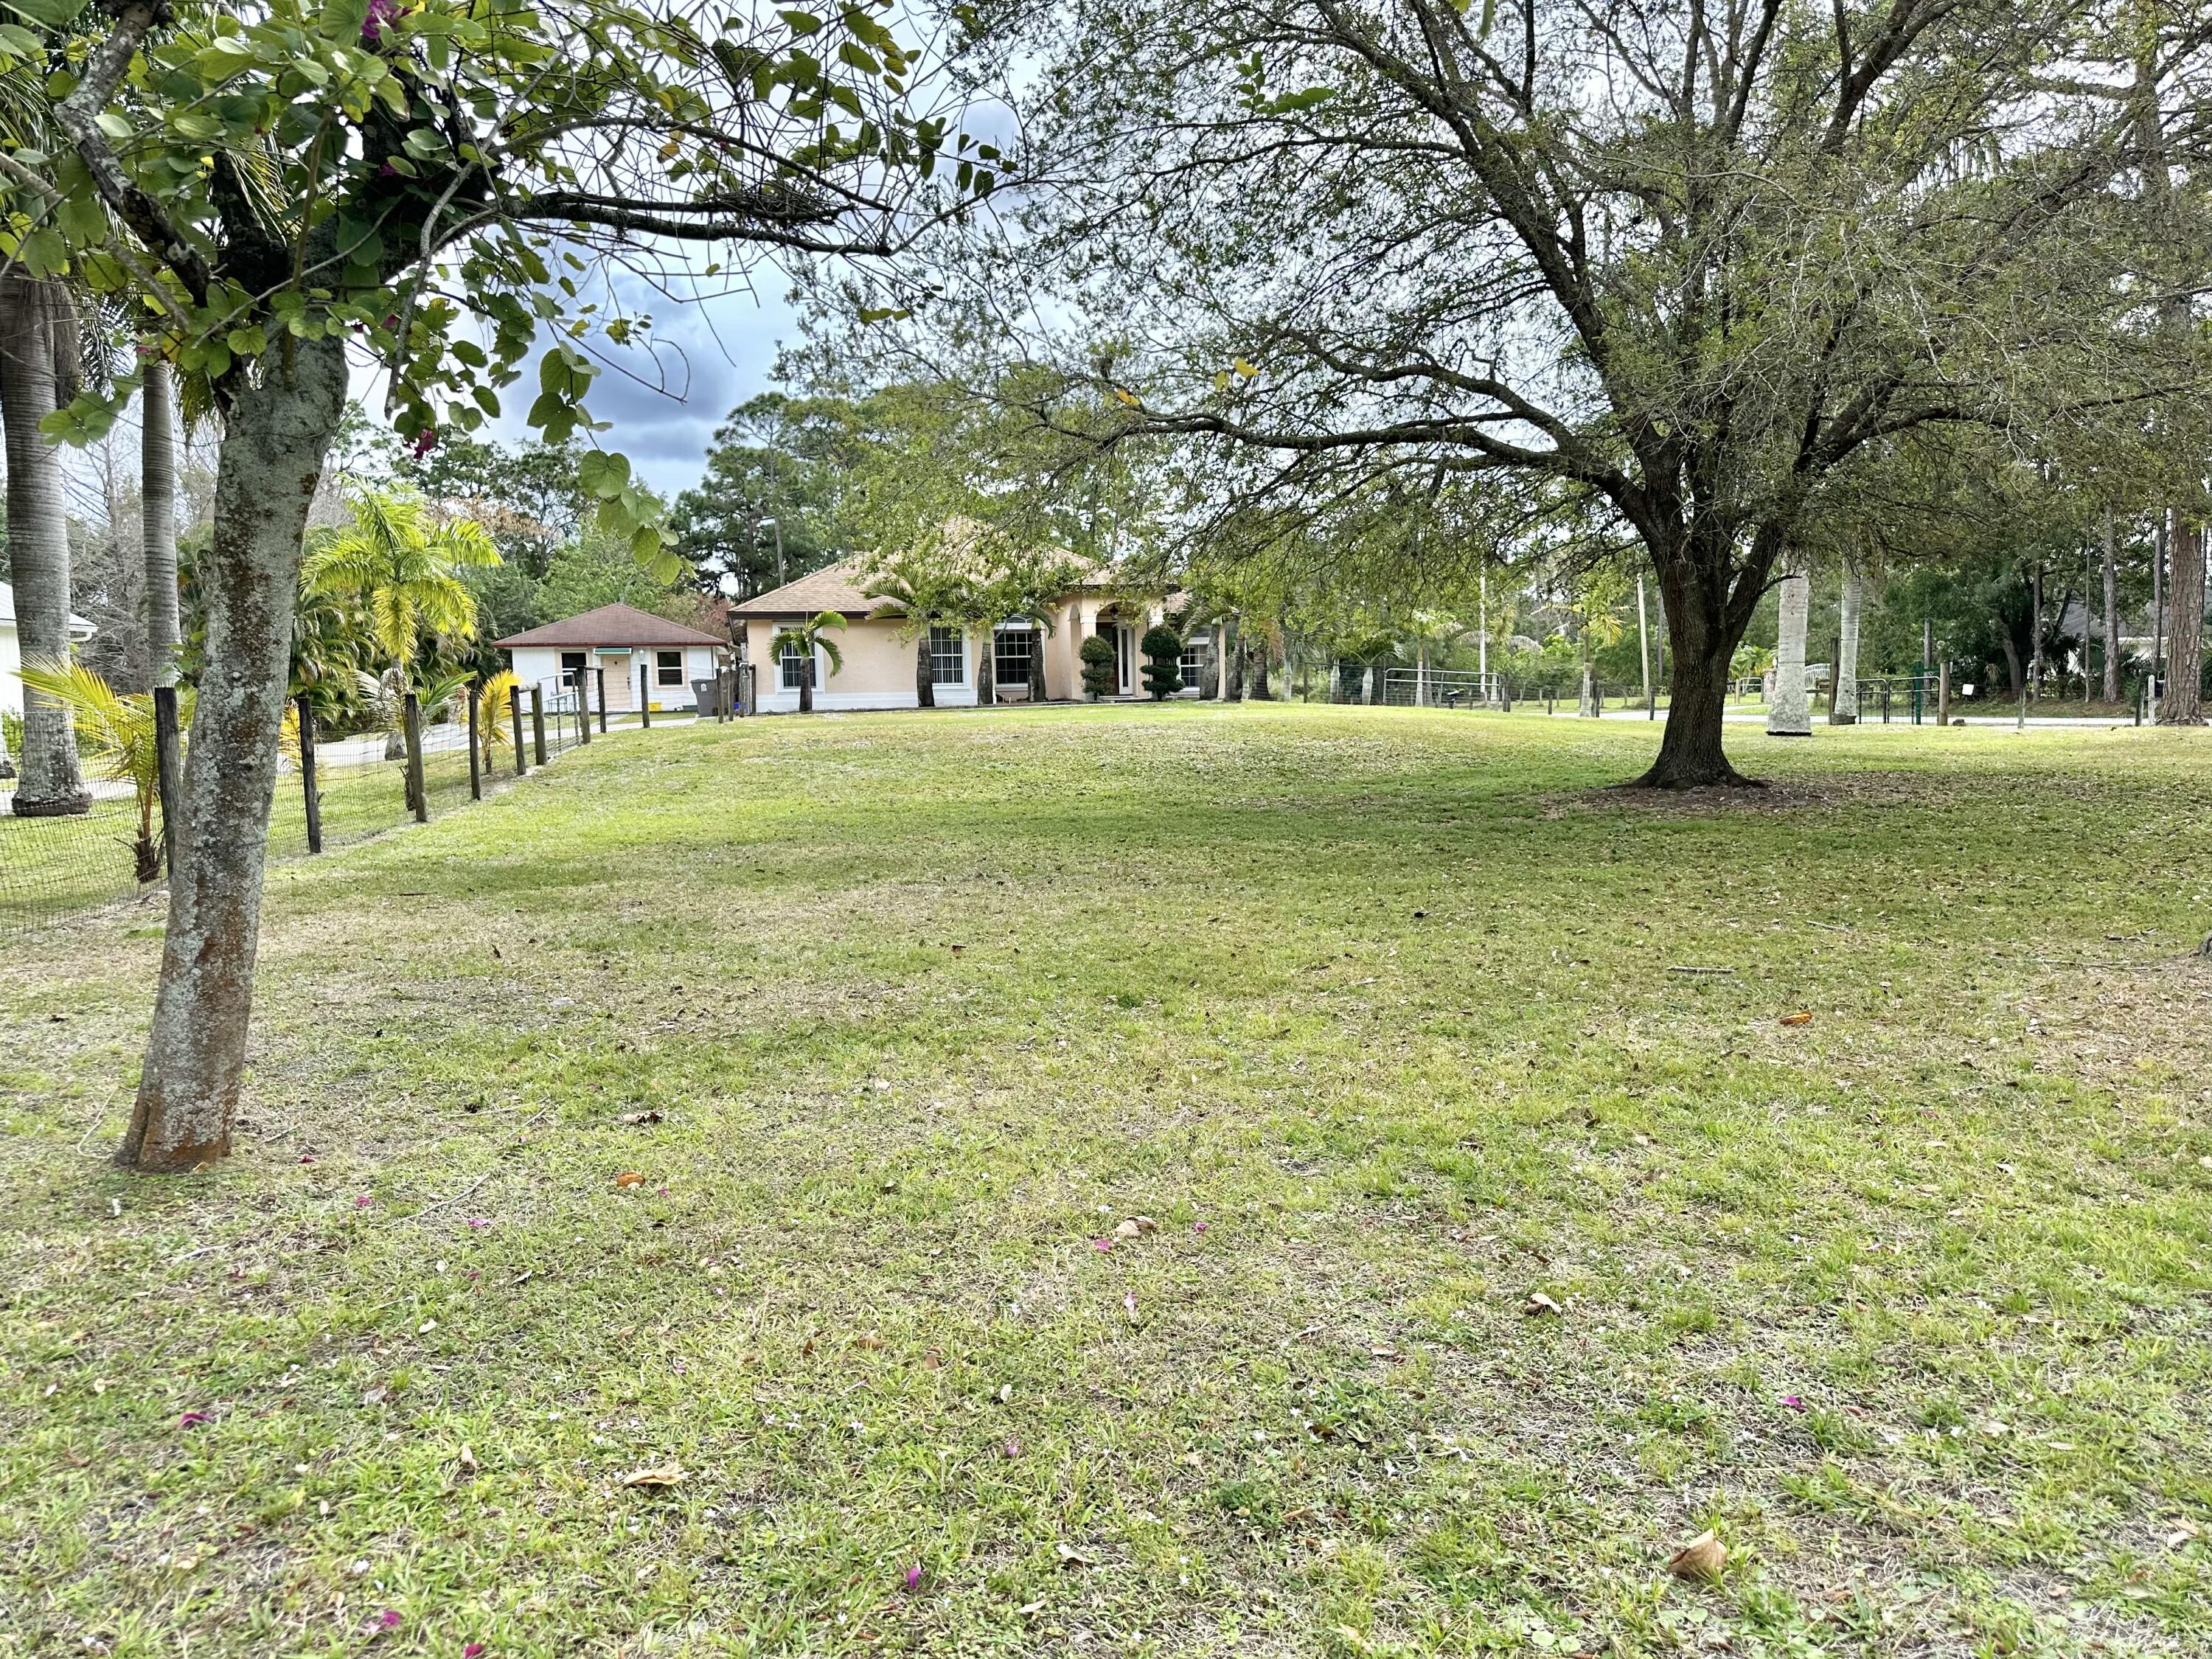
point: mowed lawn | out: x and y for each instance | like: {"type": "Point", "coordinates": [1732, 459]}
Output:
{"type": "Point", "coordinates": [764, 1102]}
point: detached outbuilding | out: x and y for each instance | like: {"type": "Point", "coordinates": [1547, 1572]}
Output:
{"type": "Point", "coordinates": [639, 652]}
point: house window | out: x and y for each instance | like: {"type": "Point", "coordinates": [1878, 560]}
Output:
{"type": "Point", "coordinates": [1014, 649]}
{"type": "Point", "coordinates": [948, 657]}
{"type": "Point", "coordinates": [570, 662]}
{"type": "Point", "coordinates": [1195, 654]}
{"type": "Point", "coordinates": [798, 669]}
{"type": "Point", "coordinates": [668, 668]}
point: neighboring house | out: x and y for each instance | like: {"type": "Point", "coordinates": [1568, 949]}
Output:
{"type": "Point", "coordinates": [11, 653]}
{"type": "Point", "coordinates": [625, 642]}
{"type": "Point", "coordinates": [879, 666]}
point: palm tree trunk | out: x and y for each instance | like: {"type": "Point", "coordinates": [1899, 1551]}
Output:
{"type": "Point", "coordinates": [1844, 699]}
{"type": "Point", "coordinates": [157, 511]}
{"type": "Point", "coordinates": [1792, 714]}
{"type": "Point", "coordinates": [987, 668]}
{"type": "Point", "coordinates": [925, 682]}
{"type": "Point", "coordinates": [36, 325]}
{"type": "Point", "coordinates": [273, 449]}
{"type": "Point", "coordinates": [2111, 610]}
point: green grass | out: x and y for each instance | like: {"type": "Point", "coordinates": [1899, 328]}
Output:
{"type": "Point", "coordinates": [1371, 1011]}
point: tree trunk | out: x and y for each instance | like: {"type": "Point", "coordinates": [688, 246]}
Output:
{"type": "Point", "coordinates": [2012, 663]}
{"type": "Point", "coordinates": [806, 681]}
{"type": "Point", "coordinates": [2111, 609]}
{"type": "Point", "coordinates": [1232, 683]}
{"type": "Point", "coordinates": [1844, 698]}
{"type": "Point", "coordinates": [275, 439]}
{"type": "Point", "coordinates": [925, 681]}
{"type": "Point", "coordinates": [2181, 699]}
{"type": "Point", "coordinates": [1259, 691]}
{"type": "Point", "coordinates": [1703, 628]}
{"type": "Point", "coordinates": [1790, 714]}
{"type": "Point", "coordinates": [157, 517]}
{"type": "Point", "coordinates": [986, 669]}
{"type": "Point", "coordinates": [36, 325]}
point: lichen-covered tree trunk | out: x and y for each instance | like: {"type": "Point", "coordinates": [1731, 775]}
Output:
{"type": "Point", "coordinates": [1844, 700]}
{"type": "Point", "coordinates": [157, 494]}
{"type": "Point", "coordinates": [37, 325]}
{"type": "Point", "coordinates": [925, 682]}
{"type": "Point", "coordinates": [1790, 714]}
{"type": "Point", "coordinates": [987, 668]}
{"type": "Point", "coordinates": [275, 440]}
{"type": "Point", "coordinates": [2181, 699]}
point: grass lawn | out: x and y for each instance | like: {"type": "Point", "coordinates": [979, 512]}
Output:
{"type": "Point", "coordinates": [1373, 1011]}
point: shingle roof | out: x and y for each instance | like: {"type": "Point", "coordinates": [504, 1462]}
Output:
{"type": "Point", "coordinates": [837, 588]}
{"type": "Point", "coordinates": [834, 587]}
{"type": "Point", "coordinates": [612, 624]}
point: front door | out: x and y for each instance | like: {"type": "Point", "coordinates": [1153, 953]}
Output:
{"type": "Point", "coordinates": [1125, 659]}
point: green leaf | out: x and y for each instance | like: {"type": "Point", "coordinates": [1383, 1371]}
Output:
{"type": "Point", "coordinates": [114, 125]}
{"type": "Point", "coordinates": [603, 474]}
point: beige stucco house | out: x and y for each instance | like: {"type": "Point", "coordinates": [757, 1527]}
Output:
{"type": "Point", "coordinates": [879, 669]}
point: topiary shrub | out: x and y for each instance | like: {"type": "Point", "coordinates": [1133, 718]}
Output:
{"type": "Point", "coordinates": [1098, 666]}
{"type": "Point", "coordinates": [1163, 649]}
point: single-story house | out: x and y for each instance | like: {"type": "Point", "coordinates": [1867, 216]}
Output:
{"type": "Point", "coordinates": [11, 650]}
{"type": "Point", "coordinates": [625, 642]}
{"type": "Point", "coordinates": [879, 667]}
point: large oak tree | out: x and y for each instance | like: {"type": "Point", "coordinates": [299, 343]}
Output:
{"type": "Point", "coordinates": [1684, 263]}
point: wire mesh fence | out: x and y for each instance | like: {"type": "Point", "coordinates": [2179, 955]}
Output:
{"type": "Point", "coordinates": [51, 868]}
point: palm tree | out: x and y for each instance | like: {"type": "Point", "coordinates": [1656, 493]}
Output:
{"type": "Point", "coordinates": [806, 637]}
{"type": "Point", "coordinates": [1015, 584]}
{"type": "Point", "coordinates": [406, 574]}
{"type": "Point", "coordinates": [919, 592]}
{"type": "Point", "coordinates": [118, 732]}
{"type": "Point", "coordinates": [38, 360]}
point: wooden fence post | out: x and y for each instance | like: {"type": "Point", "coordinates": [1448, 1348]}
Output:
{"type": "Point", "coordinates": [538, 721]}
{"type": "Point", "coordinates": [601, 675]}
{"type": "Point", "coordinates": [476, 761]}
{"type": "Point", "coordinates": [583, 707]}
{"type": "Point", "coordinates": [168, 772]}
{"type": "Point", "coordinates": [314, 797]}
{"type": "Point", "coordinates": [514, 708]}
{"type": "Point", "coordinates": [418, 797]}
{"type": "Point", "coordinates": [645, 695]}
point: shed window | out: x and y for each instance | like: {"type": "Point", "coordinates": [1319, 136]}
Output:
{"type": "Point", "coordinates": [668, 668]}
{"type": "Point", "coordinates": [570, 662]}
{"type": "Point", "coordinates": [948, 657]}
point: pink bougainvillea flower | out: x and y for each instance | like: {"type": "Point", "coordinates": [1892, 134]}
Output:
{"type": "Point", "coordinates": [387, 1620]}
{"type": "Point", "coordinates": [193, 1420]}
{"type": "Point", "coordinates": [479, 1221]}
{"type": "Point", "coordinates": [913, 1576]}
{"type": "Point", "coordinates": [1198, 1226]}
{"type": "Point", "coordinates": [363, 1201]}
{"type": "Point", "coordinates": [428, 440]}
{"type": "Point", "coordinates": [307, 1157]}
{"type": "Point", "coordinates": [1130, 1302]}
{"type": "Point", "coordinates": [380, 12]}
{"type": "Point", "coordinates": [474, 1650]}
{"type": "Point", "coordinates": [1102, 1243]}
{"type": "Point", "coordinates": [1794, 1403]}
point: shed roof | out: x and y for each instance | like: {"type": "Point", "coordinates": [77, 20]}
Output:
{"type": "Point", "coordinates": [610, 624]}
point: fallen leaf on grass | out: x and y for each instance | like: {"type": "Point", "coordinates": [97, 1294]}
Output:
{"type": "Point", "coordinates": [629, 1178]}
{"type": "Point", "coordinates": [1538, 1302]}
{"type": "Point", "coordinates": [868, 1339]}
{"type": "Point", "coordinates": [1136, 1227]}
{"type": "Point", "coordinates": [664, 1474]}
{"type": "Point", "coordinates": [639, 1117]}
{"type": "Point", "coordinates": [1070, 1558]}
{"type": "Point", "coordinates": [1385, 1351]}
{"type": "Point", "coordinates": [466, 1458]}
{"type": "Point", "coordinates": [1802, 1017]}
{"type": "Point", "coordinates": [933, 1361]}
{"type": "Point", "coordinates": [1699, 1560]}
